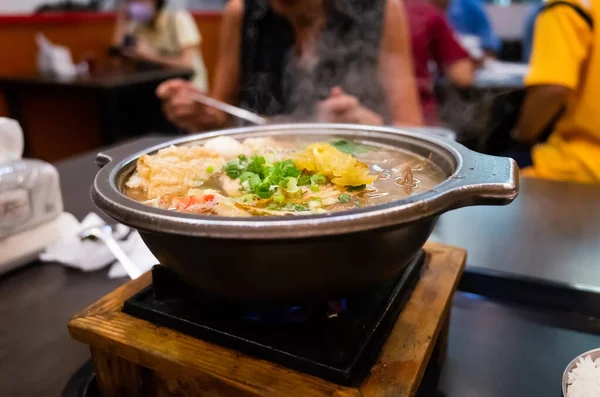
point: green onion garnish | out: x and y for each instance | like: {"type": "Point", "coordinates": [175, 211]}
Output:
{"type": "Point", "coordinates": [318, 179]}
{"type": "Point", "coordinates": [279, 198]}
{"type": "Point", "coordinates": [345, 198]}
{"type": "Point", "coordinates": [263, 177]}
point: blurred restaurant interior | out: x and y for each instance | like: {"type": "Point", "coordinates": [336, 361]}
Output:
{"type": "Point", "coordinates": [416, 185]}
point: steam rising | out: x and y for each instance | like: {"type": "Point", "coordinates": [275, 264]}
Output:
{"type": "Point", "coordinates": [346, 54]}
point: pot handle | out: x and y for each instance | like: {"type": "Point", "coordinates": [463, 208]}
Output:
{"type": "Point", "coordinates": [103, 159]}
{"type": "Point", "coordinates": [484, 180]}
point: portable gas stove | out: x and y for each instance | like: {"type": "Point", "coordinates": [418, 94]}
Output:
{"type": "Point", "coordinates": [165, 339]}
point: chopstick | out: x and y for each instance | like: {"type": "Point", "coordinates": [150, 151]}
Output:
{"type": "Point", "coordinates": [227, 108]}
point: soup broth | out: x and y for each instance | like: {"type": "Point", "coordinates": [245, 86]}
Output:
{"type": "Point", "coordinates": [278, 176]}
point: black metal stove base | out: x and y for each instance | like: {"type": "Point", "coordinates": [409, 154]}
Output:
{"type": "Point", "coordinates": [340, 349]}
{"type": "Point", "coordinates": [82, 383]}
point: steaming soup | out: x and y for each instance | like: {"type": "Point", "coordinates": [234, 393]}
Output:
{"type": "Point", "coordinates": [278, 176]}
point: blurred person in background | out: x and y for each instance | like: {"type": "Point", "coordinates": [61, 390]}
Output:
{"type": "Point", "coordinates": [324, 60]}
{"type": "Point", "coordinates": [148, 31]}
{"type": "Point", "coordinates": [433, 43]}
{"type": "Point", "coordinates": [469, 19]}
{"type": "Point", "coordinates": [563, 90]}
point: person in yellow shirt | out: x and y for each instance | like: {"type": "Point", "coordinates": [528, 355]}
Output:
{"type": "Point", "coordinates": [563, 85]}
{"type": "Point", "coordinates": [147, 30]}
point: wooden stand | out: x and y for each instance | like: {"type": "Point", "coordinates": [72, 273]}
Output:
{"type": "Point", "coordinates": [135, 358]}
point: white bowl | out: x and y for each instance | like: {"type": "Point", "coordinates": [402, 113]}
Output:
{"type": "Point", "coordinates": [594, 354]}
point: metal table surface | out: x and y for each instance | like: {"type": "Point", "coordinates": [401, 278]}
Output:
{"type": "Point", "coordinates": [545, 246]}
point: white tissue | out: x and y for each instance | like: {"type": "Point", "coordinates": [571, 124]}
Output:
{"type": "Point", "coordinates": [11, 140]}
{"type": "Point", "coordinates": [90, 255]}
{"type": "Point", "coordinates": [54, 60]}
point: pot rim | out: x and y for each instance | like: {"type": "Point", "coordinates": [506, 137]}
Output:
{"type": "Point", "coordinates": [477, 179]}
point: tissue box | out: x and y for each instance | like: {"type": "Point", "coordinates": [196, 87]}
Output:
{"type": "Point", "coordinates": [29, 196]}
{"type": "Point", "coordinates": [25, 247]}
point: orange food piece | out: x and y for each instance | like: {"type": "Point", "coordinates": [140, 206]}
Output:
{"type": "Point", "coordinates": [200, 203]}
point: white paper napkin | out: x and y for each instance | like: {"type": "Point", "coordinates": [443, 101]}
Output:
{"type": "Point", "coordinates": [89, 255]}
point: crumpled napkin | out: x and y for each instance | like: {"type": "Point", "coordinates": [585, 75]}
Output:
{"type": "Point", "coordinates": [89, 255]}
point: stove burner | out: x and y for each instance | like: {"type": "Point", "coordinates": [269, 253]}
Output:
{"type": "Point", "coordinates": [286, 314]}
{"type": "Point", "coordinates": [337, 307]}
{"type": "Point", "coordinates": [278, 315]}
{"type": "Point", "coordinates": [338, 341]}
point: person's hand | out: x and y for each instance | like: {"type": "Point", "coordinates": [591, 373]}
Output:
{"type": "Point", "coordinates": [182, 110]}
{"type": "Point", "coordinates": [343, 108]}
{"type": "Point", "coordinates": [141, 50]}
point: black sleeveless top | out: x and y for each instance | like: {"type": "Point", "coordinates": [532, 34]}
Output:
{"type": "Point", "coordinates": [347, 52]}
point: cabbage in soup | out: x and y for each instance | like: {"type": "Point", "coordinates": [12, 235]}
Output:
{"type": "Point", "coordinates": [278, 176]}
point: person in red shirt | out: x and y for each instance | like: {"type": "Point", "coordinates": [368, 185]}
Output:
{"type": "Point", "coordinates": [433, 43]}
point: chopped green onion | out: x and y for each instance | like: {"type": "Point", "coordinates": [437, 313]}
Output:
{"type": "Point", "coordinates": [289, 169]}
{"type": "Point", "coordinates": [304, 180]}
{"type": "Point", "coordinates": [300, 208]}
{"type": "Point", "coordinates": [261, 178]}
{"type": "Point", "coordinates": [345, 198]}
{"type": "Point", "coordinates": [233, 169]}
{"type": "Point", "coordinates": [292, 185]}
{"type": "Point", "coordinates": [318, 179]}
{"type": "Point", "coordinates": [246, 176]}
{"type": "Point", "coordinates": [357, 204]}
{"type": "Point", "coordinates": [314, 188]}
{"type": "Point", "coordinates": [210, 169]}
{"type": "Point", "coordinates": [254, 181]}
{"type": "Point", "coordinates": [257, 165]}
{"type": "Point", "coordinates": [279, 198]}
{"type": "Point", "coordinates": [263, 190]}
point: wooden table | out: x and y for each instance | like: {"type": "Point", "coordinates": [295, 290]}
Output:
{"type": "Point", "coordinates": [491, 345]}
{"type": "Point", "coordinates": [65, 117]}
